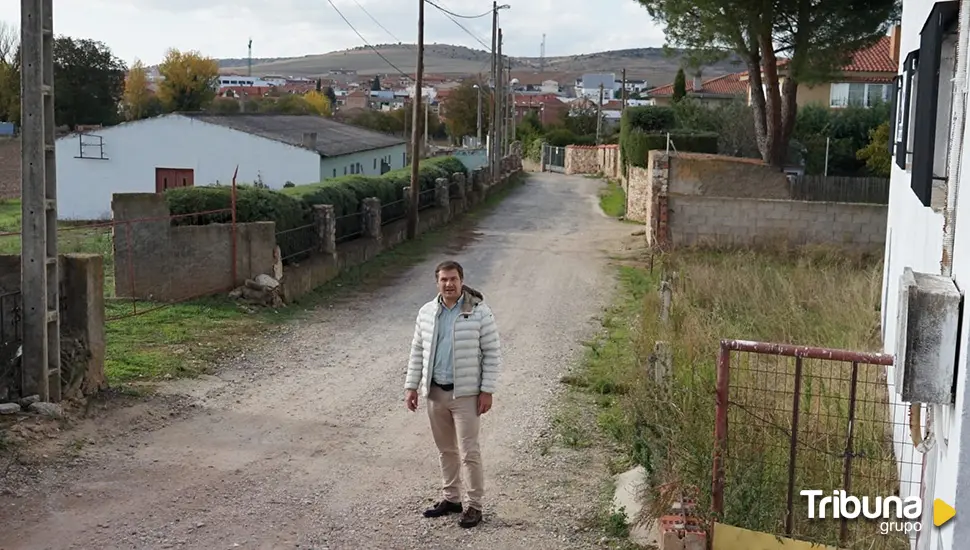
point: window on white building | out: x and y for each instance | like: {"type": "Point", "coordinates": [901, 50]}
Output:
{"type": "Point", "coordinates": [931, 115]}
{"type": "Point", "coordinates": [905, 109]}
{"type": "Point", "coordinates": [862, 94]}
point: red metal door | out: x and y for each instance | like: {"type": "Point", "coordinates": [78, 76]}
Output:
{"type": "Point", "coordinates": [170, 178]}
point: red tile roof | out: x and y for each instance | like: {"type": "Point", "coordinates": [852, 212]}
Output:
{"type": "Point", "coordinates": [877, 59]}
{"type": "Point", "coordinates": [729, 84]}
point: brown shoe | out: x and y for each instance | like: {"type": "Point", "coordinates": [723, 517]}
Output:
{"type": "Point", "coordinates": [443, 508]}
{"type": "Point", "coordinates": [470, 517]}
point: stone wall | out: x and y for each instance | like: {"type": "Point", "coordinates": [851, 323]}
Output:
{"type": "Point", "coordinates": [640, 197]}
{"type": "Point", "coordinates": [155, 260]}
{"type": "Point", "coordinates": [722, 176]}
{"type": "Point", "coordinates": [709, 220]}
{"type": "Point", "coordinates": [81, 288]}
{"type": "Point", "coordinates": [593, 159]}
{"type": "Point", "coordinates": [453, 197]}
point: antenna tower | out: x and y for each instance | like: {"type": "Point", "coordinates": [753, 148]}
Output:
{"type": "Point", "coordinates": [542, 54]}
{"type": "Point", "coordinates": [249, 59]}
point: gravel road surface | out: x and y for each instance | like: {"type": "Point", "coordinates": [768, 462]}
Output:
{"type": "Point", "coordinates": [308, 444]}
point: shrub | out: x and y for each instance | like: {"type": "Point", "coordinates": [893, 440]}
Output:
{"type": "Point", "coordinates": [650, 118]}
{"type": "Point", "coordinates": [636, 144]}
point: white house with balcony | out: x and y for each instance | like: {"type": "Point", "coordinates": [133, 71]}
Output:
{"type": "Point", "coordinates": [928, 234]}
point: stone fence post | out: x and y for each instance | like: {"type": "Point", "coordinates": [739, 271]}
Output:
{"type": "Point", "coordinates": [459, 179]}
{"type": "Point", "coordinates": [441, 192]}
{"type": "Point", "coordinates": [372, 217]}
{"type": "Point", "coordinates": [326, 227]}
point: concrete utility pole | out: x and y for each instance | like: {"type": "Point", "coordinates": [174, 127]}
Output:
{"type": "Point", "coordinates": [412, 228]}
{"type": "Point", "coordinates": [38, 261]}
{"type": "Point", "coordinates": [494, 83]}
{"type": "Point", "coordinates": [599, 117]}
{"type": "Point", "coordinates": [499, 108]}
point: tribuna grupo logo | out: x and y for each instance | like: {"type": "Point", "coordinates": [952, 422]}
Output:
{"type": "Point", "coordinates": [894, 513]}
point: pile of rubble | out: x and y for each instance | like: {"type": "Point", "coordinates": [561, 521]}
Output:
{"type": "Point", "coordinates": [261, 291]}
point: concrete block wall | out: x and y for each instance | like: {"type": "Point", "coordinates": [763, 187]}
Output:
{"type": "Point", "coordinates": [708, 220]}
{"type": "Point", "coordinates": [155, 260]}
{"type": "Point", "coordinates": [81, 282]}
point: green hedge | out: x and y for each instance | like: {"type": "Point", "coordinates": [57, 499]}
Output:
{"type": "Point", "coordinates": [292, 207]}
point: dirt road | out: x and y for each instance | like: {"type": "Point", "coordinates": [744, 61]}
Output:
{"type": "Point", "coordinates": [309, 445]}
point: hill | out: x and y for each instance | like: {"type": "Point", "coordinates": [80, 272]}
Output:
{"type": "Point", "coordinates": [652, 64]}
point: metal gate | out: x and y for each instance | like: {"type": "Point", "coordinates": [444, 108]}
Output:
{"type": "Point", "coordinates": [554, 158]}
{"type": "Point", "coordinates": [11, 335]}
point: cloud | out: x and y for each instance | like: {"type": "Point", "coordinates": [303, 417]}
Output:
{"type": "Point", "coordinates": [145, 29]}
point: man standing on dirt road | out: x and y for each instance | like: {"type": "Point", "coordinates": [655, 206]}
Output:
{"type": "Point", "coordinates": [455, 361]}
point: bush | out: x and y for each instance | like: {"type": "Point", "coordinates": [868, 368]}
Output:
{"type": "Point", "coordinates": [637, 144]}
{"type": "Point", "coordinates": [561, 137]}
{"type": "Point", "coordinates": [651, 118]}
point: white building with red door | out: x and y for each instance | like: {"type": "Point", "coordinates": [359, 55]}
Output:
{"type": "Point", "coordinates": [195, 149]}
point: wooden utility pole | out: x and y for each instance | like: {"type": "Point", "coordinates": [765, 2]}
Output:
{"type": "Point", "coordinates": [623, 93]}
{"type": "Point", "coordinates": [412, 228]}
{"type": "Point", "coordinates": [599, 116]}
{"type": "Point", "coordinates": [38, 266]}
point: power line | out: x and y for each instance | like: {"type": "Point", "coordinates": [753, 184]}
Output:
{"type": "Point", "coordinates": [489, 12]}
{"type": "Point", "coordinates": [449, 15]}
{"type": "Point", "coordinates": [364, 40]}
{"type": "Point", "coordinates": [396, 39]}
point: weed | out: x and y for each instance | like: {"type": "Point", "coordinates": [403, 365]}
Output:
{"type": "Point", "coordinates": [613, 200]}
{"type": "Point", "coordinates": [813, 298]}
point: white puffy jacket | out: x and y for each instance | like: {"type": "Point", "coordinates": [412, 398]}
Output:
{"type": "Point", "coordinates": [477, 357]}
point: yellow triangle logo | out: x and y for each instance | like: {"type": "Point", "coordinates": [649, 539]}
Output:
{"type": "Point", "coordinates": [942, 512]}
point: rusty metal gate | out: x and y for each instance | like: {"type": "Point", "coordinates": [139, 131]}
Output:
{"type": "Point", "coordinates": [554, 158]}
{"type": "Point", "coordinates": [792, 418]}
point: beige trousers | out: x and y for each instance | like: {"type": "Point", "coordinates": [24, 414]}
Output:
{"type": "Point", "coordinates": [455, 426]}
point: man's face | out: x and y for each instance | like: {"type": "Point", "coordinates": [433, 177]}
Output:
{"type": "Point", "coordinates": [449, 283]}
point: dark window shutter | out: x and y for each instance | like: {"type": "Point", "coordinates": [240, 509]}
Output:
{"type": "Point", "coordinates": [928, 90]}
{"type": "Point", "coordinates": [910, 66]}
{"type": "Point", "coordinates": [893, 106]}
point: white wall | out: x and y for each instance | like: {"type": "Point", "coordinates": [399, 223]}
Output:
{"type": "Point", "coordinates": [135, 149]}
{"type": "Point", "coordinates": [915, 240]}
{"type": "Point", "coordinates": [329, 166]}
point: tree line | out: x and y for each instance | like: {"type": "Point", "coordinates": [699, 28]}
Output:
{"type": "Point", "coordinates": [92, 86]}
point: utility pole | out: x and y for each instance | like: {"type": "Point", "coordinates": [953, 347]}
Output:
{"type": "Point", "coordinates": [249, 60]}
{"type": "Point", "coordinates": [479, 111]}
{"type": "Point", "coordinates": [427, 106]}
{"type": "Point", "coordinates": [412, 228]}
{"type": "Point", "coordinates": [599, 116]}
{"type": "Point", "coordinates": [38, 266]}
{"type": "Point", "coordinates": [623, 93]}
{"type": "Point", "coordinates": [493, 105]}
{"type": "Point", "coordinates": [499, 107]}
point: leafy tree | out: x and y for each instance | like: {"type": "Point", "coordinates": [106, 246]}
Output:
{"type": "Point", "coordinates": [138, 100]}
{"type": "Point", "coordinates": [319, 85]}
{"type": "Point", "coordinates": [680, 86]}
{"type": "Point", "coordinates": [189, 81]}
{"type": "Point", "coordinates": [461, 110]}
{"type": "Point", "coordinates": [89, 82]}
{"type": "Point", "coordinates": [817, 36]}
{"type": "Point", "coordinates": [224, 106]}
{"type": "Point", "coordinates": [876, 154]}
{"type": "Point", "coordinates": [375, 84]}
{"type": "Point", "coordinates": [331, 95]}
{"type": "Point", "coordinates": [320, 103]}
{"type": "Point", "coordinates": [9, 73]}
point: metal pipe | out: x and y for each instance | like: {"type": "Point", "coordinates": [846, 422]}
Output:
{"type": "Point", "coordinates": [809, 352]}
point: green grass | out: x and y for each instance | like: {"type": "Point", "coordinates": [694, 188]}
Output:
{"type": "Point", "coordinates": [613, 200]}
{"type": "Point", "coordinates": [183, 340]}
{"type": "Point", "coordinates": [9, 216]}
{"type": "Point", "coordinates": [811, 298]}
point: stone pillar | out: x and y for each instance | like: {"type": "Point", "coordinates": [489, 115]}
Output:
{"type": "Point", "coordinates": [441, 192]}
{"type": "Point", "coordinates": [325, 223]}
{"type": "Point", "coordinates": [407, 198]}
{"type": "Point", "coordinates": [459, 179]}
{"type": "Point", "coordinates": [478, 181]}
{"type": "Point", "coordinates": [372, 217]}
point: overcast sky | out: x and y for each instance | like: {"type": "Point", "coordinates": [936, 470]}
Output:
{"type": "Point", "coordinates": [144, 29]}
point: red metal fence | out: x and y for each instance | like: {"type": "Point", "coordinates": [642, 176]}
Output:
{"type": "Point", "coordinates": [792, 418]}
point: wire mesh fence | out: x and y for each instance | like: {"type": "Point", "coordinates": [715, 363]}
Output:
{"type": "Point", "coordinates": [349, 227]}
{"type": "Point", "coordinates": [793, 418]}
{"type": "Point", "coordinates": [394, 211]}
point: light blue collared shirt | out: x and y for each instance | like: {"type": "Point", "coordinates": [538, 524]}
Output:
{"type": "Point", "coordinates": [444, 367]}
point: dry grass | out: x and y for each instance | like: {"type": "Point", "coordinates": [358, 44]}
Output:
{"type": "Point", "coordinates": [811, 298]}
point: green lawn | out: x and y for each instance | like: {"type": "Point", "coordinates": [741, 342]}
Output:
{"type": "Point", "coordinates": [613, 200]}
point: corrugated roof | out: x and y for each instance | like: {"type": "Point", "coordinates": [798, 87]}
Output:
{"type": "Point", "coordinates": [333, 138]}
{"type": "Point", "coordinates": [729, 84]}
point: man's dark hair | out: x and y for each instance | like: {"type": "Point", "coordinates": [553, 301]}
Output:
{"type": "Point", "coordinates": [448, 265]}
